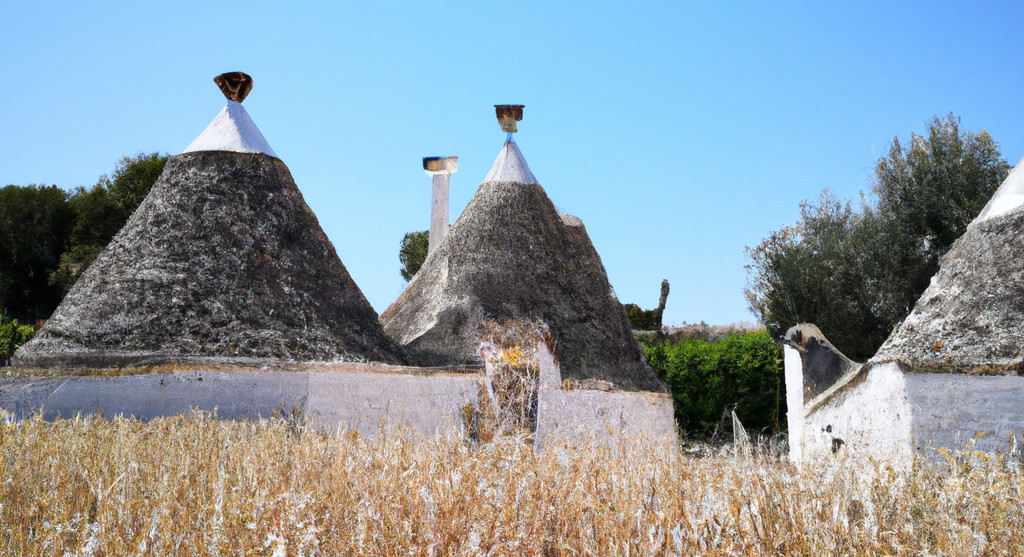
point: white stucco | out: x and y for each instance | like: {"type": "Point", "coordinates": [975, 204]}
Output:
{"type": "Point", "coordinates": [794, 401]}
{"type": "Point", "coordinates": [950, 409]}
{"type": "Point", "coordinates": [438, 210]}
{"type": "Point", "coordinates": [232, 130]}
{"type": "Point", "coordinates": [510, 166]}
{"type": "Point", "coordinates": [1008, 197]}
{"type": "Point", "coordinates": [872, 418]}
{"type": "Point", "coordinates": [633, 421]}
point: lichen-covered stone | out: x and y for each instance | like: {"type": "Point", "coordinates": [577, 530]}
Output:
{"type": "Point", "coordinates": [970, 319]}
{"type": "Point", "coordinates": [223, 259]}
{"type": "Point", "coordinates": [510, 257]}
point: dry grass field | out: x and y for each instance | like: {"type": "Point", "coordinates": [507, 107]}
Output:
{"type": "Point", "coordinates": [200, 486]}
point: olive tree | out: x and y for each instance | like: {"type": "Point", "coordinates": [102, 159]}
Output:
{"type": "Point", "coordinates": [857, 272]}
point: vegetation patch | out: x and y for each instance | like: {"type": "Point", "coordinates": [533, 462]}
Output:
{"type": "Point", "coordinates": [857, 272]}
{"type": "Point", "coordinates": [199, 486]}
{"type": "Point", "coordinates": [12, 335]}
{"type": "Point", "coordinates": [510, 350]}
{"type": "Point", "coordinates": [711, 376]}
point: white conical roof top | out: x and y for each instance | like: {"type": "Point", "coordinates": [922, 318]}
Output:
{"type": "Point", "coordinates": [232, 130]}
{"type": "Point", "coordinates": [1008, 197]}
{"type": "Point", "coordinates": [510, 166]}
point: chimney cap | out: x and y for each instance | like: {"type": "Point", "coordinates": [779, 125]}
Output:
{"type": "Point", "coordinates": [508, 115]}
{"type": "Point", "coordinates": [440, 165]}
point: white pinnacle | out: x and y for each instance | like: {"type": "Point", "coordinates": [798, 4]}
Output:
{"type": "Point", "coordinates": [510, 166]}
{"type": "Point", "coordinates": [232, 130]}
{"type": "Point", "coordinates": [1008, 197]}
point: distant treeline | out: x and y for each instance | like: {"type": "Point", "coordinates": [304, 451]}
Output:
{"type": "Point", "coordinates": [49, 236]}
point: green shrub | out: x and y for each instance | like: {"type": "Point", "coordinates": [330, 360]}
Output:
{"type": "Point", "coordinates": [413, 252]}
{"type": "Point", "coordinates": [706, 377]}
{"type": "Point", "coordinates": [641, 319]}
{"type": "Point", "coordinates": [12, 336]}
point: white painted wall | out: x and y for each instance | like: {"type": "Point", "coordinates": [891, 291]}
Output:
{"type": "Point", "coordinates": [892, 414]}
{"type": "Point", "coordinates": [794, 401]}
{"type": "Point", "coordinates": [438, 209]}
{"type": "Point", "coordinates": [873, 418]}
{"type": "Point", "coordinates": [633, 419]}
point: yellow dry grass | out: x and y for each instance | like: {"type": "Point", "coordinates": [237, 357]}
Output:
{"type": "Point", "coordinates": [201, 486]}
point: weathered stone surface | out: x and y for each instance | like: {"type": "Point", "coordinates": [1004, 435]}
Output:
{"type": "Point", "coordinates": [233, 394]}
{"type": "Point", "coordinates": [971, 318]}
{"type": "Point", "coordinates": [235, 85]}
{"type": "Point", "coordinates": [510, 257]}
{"type": "Point", "coordinates": [352, 396]}
{"type": "Point", "coordinates": [223, 259]}
{"type": "Point", "coordinates": [949, 410]}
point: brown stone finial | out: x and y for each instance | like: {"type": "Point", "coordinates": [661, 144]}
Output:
{"type": "Point", "coordinates": [234, 85]}
{"type": "Point", "coordinates": [508, 115]}
{"type": "Point", "coordinates": [441, 164]}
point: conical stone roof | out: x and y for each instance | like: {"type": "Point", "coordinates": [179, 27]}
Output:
{"type": "Point", "coordinates": [970, 319]}
{"type": "Point", "coordinates": [510, 256]}
{"type": "Point", "coordinates": [223, 260]}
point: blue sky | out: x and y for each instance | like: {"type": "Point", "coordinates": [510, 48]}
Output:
{"type": "Point", "coordinates": [679, 132]}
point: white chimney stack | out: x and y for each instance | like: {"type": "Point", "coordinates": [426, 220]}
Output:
{"type": "Point", "coordinates": [440, 169]}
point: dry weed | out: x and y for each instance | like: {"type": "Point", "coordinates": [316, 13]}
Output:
{"type": "Point", "coordinates": [196, 485]}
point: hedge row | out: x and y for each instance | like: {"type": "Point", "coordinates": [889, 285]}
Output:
{"type": "Point", "coordinates": [708, 378]}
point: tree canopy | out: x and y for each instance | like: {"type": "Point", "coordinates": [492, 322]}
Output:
{"type": "Point", "coordinates": [35, 223]}
{"type": "Point", "coordinates": [857, 273]}
{"type": "Point", "coordinates": [413, 252]}
{"type": "Point", "coordinates": [48, 236]}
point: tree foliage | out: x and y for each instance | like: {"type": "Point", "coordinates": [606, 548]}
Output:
{"type": "Point", "coordinates": [857, 273]}
{"type": "Point", "coordinates": [49, 237]}
{"type": "Point", "coordinates": [131, 181]}
{"type": "Point", "coordinates": [102, 210]}
{"type": "Point", "coordinates": [640, 319]}
{"type": "Point", "coordinates": [413, 252]}
{"type": "Point", "coordinates": [706, 377]}
{"type": "Point", "coordinates": [35, 222]}
{"type": "Point", "coordinates": [648, 319]}
{"type": "Point", "coordinates": [12, 335]}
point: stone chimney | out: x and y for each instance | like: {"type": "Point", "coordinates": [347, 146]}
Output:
{"type": "Point", "coordinates": [508, 115]}
{"type": "Point", "coordinates": [440, 169]}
